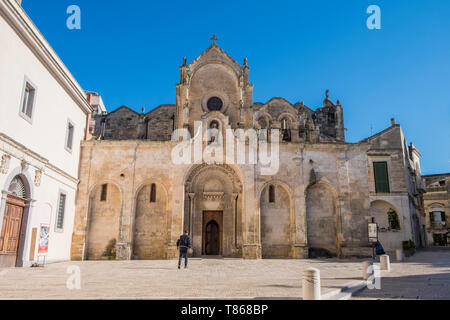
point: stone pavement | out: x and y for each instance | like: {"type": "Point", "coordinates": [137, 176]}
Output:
{"type": "Point", "coordinates": [215, 278]}
{"type": "Point", "coordinates": [426, 275]}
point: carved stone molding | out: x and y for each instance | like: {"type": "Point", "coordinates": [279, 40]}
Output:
{"type": "Point", "coordinates": [232, 175]}
{"type": "Point", "coordinates": [213, 195]}
{"type": "Point", "coordinates": [38, 177]}
{"type": "Point", "coordinates": [4, 164]}
{"type": "Point", "coordinates": [24, 165]}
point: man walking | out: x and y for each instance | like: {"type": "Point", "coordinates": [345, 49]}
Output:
{"type": "Point", "coordinates": [184, 244]}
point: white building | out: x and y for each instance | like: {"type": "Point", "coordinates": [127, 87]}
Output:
{"type": "Point", "coordinates": [44, 114]}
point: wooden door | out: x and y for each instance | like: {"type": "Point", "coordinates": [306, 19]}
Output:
{"type": "Point", "coordinates": [212, 232]}
{"type": "Point", "coordinates": [10, 235]}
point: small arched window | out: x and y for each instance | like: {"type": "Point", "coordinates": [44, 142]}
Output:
{"type": "Point", "coordinates": [153, 193]}
{"type": "Point", "coordinates": [286, 130]}
{"type": "Point", "coordinates": [263, 129]}
{"type": "Point", "coordinates": [104, 194]}
{"type": "Point", "coordinates": [262, 123]}
{"type": "Point", "coordinates": [271, 194]}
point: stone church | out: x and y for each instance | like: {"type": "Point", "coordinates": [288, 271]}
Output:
{"type": "Point", "coordinates": [134, 201]}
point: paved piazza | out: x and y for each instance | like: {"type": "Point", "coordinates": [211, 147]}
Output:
{"type": "Point", "coordinates": [426, 275]}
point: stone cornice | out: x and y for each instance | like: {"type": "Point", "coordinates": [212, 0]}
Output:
{"type": "Point", "coordinates": [6, 139]}
{"type": "Point", "coordinates": [29, 33]}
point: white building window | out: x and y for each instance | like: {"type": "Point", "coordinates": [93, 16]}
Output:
{"type": "Point", "coordinates": [61, 212]}
{"type": "Point", "coordinates": [69, 135]}
{"type": "Point", "coordinates": [28, 99]}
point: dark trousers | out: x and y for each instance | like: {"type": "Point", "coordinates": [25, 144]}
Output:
{"type": "Point", "coordinates": [183, 253]}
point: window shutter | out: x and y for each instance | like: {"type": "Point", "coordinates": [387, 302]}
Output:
{"type": "Point", "coordinates": [70, 136]}
{"type": "Point", "coordinates": [381, 177]}
{"type": "Point", "coordinates": [443, 216]}
{"type": "Point", "coordinates": [30, 103]}
{"type": "Point", "coordinates": [431, 217]}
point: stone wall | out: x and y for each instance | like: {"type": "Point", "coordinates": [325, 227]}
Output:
{"type": "Point", "coordinates": [161, 123]}
{"type": "Point", "coordinates": [104, 219]}
{"type": "Point", "coordinates": [275, 223]}
{"type": "Point", "coordinates": [324, 187]}
{"type": "Point", "coordinates": [150, 224]}
{"type": "Point", "coordinates": [322, 221]}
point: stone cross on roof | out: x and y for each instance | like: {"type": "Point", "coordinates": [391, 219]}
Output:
{"type": "Point", "coordinates": [214, 39]}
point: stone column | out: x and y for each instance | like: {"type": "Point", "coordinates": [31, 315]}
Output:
{"type": "Point", "coordinates": [311, 284]}
{"type": "Point", "coordinates": [186, 114]}
{"type": "Point", "coordinates": [125, 238]}
{"type": "Point", "coordinates": [385, 263]}
{"type": "Point", "coordinates": [300, 249]}
{"type": "Point", "coordinates": [235, 217]}
{"type": "Point", "coordinates": [399, 255]}
{"type": "Point", "coordinates": [191, 213]}
{"type": "Point", "coordinates": [365, 272]}
{"type": "Point", "coordinates": [251, 248]}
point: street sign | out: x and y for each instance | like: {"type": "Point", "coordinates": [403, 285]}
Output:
{"type": "Point", "coordinates": [373, 232]}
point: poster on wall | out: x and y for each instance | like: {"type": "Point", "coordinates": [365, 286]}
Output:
{"type": "Point", "coordinates": [373, 232]}
{"type": "Point", "coordinates": [44, 234]}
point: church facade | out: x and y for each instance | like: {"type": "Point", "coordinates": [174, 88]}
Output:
{"type": "Point", "coordinates": [146, 177]}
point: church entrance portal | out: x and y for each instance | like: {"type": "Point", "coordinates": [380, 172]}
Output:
{"type": "Point", "coordinates": [212, 233]}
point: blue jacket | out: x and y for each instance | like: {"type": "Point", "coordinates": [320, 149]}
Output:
{"type": "Point", "coordinates": [379, 249]}
{"type": "Point", "coordinates": [184, 242]}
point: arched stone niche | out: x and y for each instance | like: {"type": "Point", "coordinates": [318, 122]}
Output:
{"type": "Point", "coordinates": [322, 220]}
{"type": "Point", "coordinates": [150, 233]}
{"type": "Point", "coordinates": [213, 192]}
{"type": "Point", "coordinates": [105, 209]}
{"type": "Point", "coordinates": [276, 218]}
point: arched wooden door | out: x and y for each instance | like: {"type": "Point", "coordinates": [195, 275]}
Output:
{"type": "Point", "coordinates": [10, 233]}
{"type": "Point", "coordinates": [212, 233]}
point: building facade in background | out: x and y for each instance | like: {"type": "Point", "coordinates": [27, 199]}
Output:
{"type": "Point", "coordinates": [140, 179]}
{"type": "Point", "coordinates": [43, 117]}
{"type": "Point", "coordinates": [134, 200]}
{"type": "Point", "coordinates": [437, 209]}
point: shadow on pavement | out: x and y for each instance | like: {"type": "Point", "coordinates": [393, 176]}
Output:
{"type": "Point", "coordinates": [426, 287]}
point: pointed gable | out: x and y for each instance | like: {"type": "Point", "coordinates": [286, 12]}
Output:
{"type": "Point", "coordinates": [215, 54]}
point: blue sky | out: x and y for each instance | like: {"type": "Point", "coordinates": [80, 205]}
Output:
{"type": "Point", "coordinates": [130, 51]}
